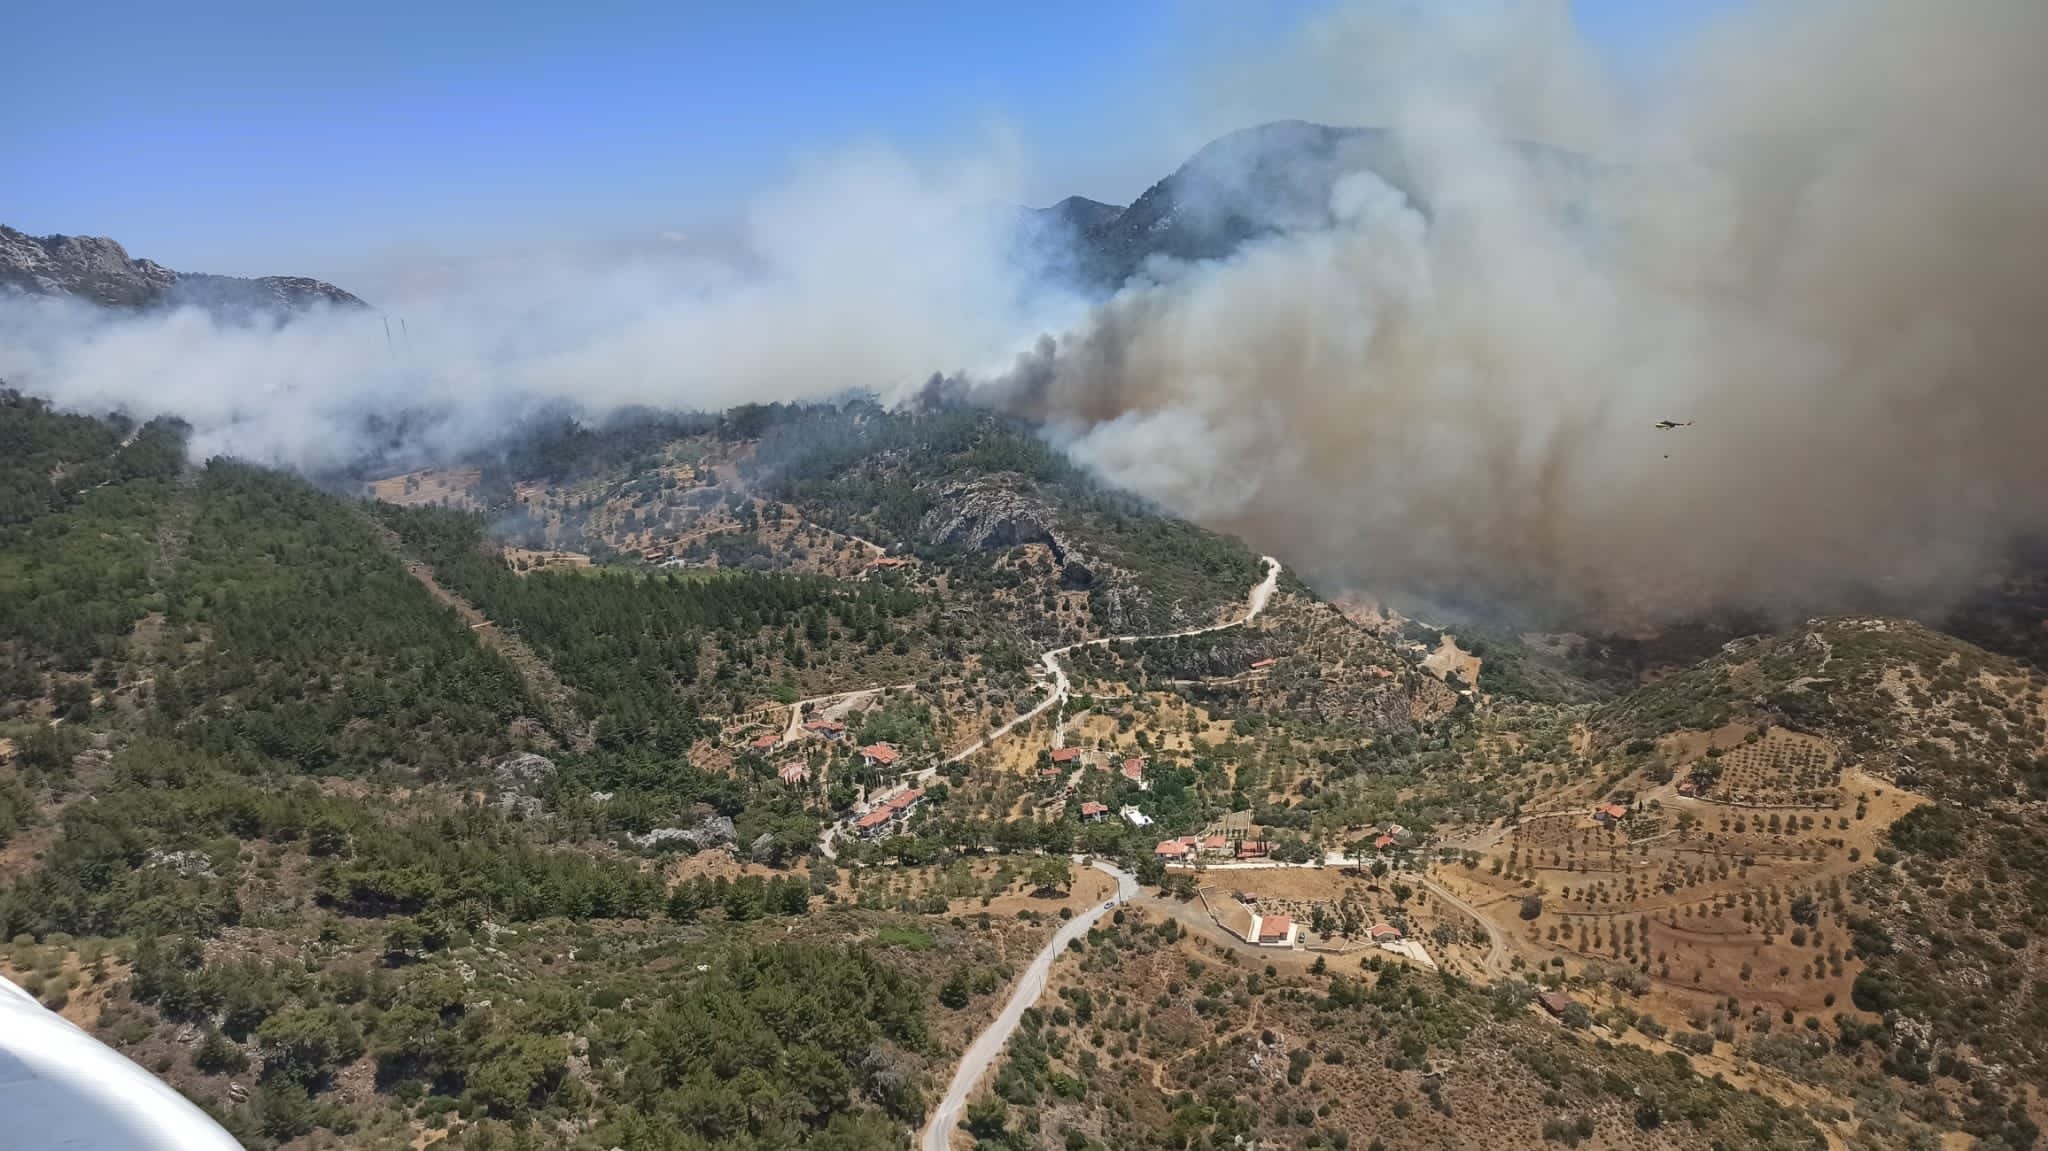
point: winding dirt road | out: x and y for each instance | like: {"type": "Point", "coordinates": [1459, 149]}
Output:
{"type": "Point", "coordinates": [1255, 603]}
{"type": "Point", "coordinates": [1495, 963]}
{"type": "Point", "coordinates": [981, 1054]}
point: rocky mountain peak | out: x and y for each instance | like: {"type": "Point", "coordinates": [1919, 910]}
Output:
{"type": "Point", "coordinates": [100, 271]}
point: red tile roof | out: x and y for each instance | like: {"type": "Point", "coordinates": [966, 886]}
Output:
{"type": "Point", "coordinates": [1275, 927]}
{"type": "Point", "coordinates": [880, 753]}
{"type": "Point", "coordinates": [1066, 754]}
{"type": "Point", "coordinates": [1251, 847]}
{"type": "Point", "coordinates": [793, 773]}
{"type": "Point", "coordinates": [1171, 847]}
{"type": "Point", "coordinates": [890, 809]}
{"type": "Point", "coordinates": [1215, 843]}
{"type": "Point", "coordinates": [1093, 808]}
{"type": "Point", "coordinates": [765, 742]}
{"type": "Point", "coordinates": [1134, 769]}
{"type": "Point", "coordinates": [1384, 931]}
{"type": "Point", "coordinates": [1383, 843]}
{"type": "Point", "coordinates": [1614, 811]}
{"type": "Point", "coordinates": [829, 726]}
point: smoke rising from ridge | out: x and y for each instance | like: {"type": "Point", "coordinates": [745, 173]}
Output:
{"type": "Point", "coordinates": [863, 271]}
{"type": "Point", "coordinates": [1829, 248]}
{"type": "Point", "coordinates": [1824, 239]}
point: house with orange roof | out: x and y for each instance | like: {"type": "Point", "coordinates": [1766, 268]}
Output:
{"type": "Point", "coordinates": [1092, 811]}
{"type": "Point", "coordinates": [1066, 754]}
{"type": "Point", "coordinates": [879, 755]}
{"type": "Point", "coordinates": [795, 773]}
{"type": "Point", "coordinates": [764, 742]}
{"type": "Point", "coordinates": [885, 814]}
{"type": "Point", "coordinates": [1275, 931]}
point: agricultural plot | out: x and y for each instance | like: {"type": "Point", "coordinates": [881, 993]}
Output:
{"type": "Point", "coordinates": [1783, 769]}
{"type": "Point", "coordinates": [1692, 901]}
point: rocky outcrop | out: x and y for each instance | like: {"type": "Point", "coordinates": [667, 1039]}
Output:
{"type": "Point", "coordinates": [991, 514]}
{"type": "Point", "coordinates": [516, 778]}
{"type": "Point", "coordinates": [100, 271]}
{"type": "Point", "coordinates": [89, 267]}
{"type": "Point", "coordinates": [711, 831]}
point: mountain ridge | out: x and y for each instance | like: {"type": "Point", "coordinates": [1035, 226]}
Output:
{"type": "Point", "coordinates": [99, 271]}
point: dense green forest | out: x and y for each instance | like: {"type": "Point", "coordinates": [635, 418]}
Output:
{"type": "Point", "coordinates": [81, 505]}
{"type": "Point", "coordinates": [648, 653]}
{"type": "Point", "coordinates": [310, 646]}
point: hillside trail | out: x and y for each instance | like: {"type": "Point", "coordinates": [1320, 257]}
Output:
{"type": "Point", "coordinates": [541, 681]}
{"type": "Point", "coordinates": [981, 1054]}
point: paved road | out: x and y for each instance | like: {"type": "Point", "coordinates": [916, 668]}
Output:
{"type": "Point", "coordinates": [981, 1054]}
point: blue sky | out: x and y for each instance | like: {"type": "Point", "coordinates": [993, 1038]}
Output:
{"type": "Point", "coordinates": [313, 137]}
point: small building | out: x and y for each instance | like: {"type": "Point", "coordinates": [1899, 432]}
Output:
{"type": "Point", "coordinates": [828, 728]}
{"type": "Point", "coordinates": [1555, 1002]}
{"type": "Point", "coordinates": [1383, 931]}
{"type": "Point", "coordinates": [1092, 811]}
{"type": "Point", "coordinates": [1134, 770]}
{"type": "Point", "coordinates": [1066, 754]}
{"type": "Point", "coordinates": [886, 813]}
{"type": "Point", "coordinates": [1172, 849]}
{"type": "Point", "coordinates": [764, 743]}
{"type": "Point", "coordinates": [878, 755]}
{"type": "Point", "coordinates": [795, 773]}
{"type": "Point", "coordinates": [1051, 774]}
{"type": "Point", "coordinates": [1215, 845]}
{"type": "Point", "coordinates": [1254, 849]}
{"type": "Point", "coordinates": [1688, 786]}
{"type": "Point", "coordinates": [1275, 931]}
{"type": "Point", "coordinates": [1611, 813]}
{"type": "Point", "coordinates": [1382, 843]}
{"type": "Point", "coordinates": [1134, 817]}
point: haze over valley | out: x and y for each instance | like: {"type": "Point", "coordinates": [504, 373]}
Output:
{"type": "Point", "coordinates": [1496, 598]}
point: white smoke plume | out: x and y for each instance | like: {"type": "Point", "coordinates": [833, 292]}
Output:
{"type": "Point", "coordinates": [863, 271]}
{"type": "Point", "coordinates": [1826, 245]}
{"type": "Point", "coordinates": [1823, 239]}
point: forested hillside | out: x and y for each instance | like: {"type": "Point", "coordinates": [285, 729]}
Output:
{"type": "Point", "coordinates": [703, 782]}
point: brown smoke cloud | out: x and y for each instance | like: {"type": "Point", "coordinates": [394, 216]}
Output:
{"type": "Point", "coordinates": [1828, 246]}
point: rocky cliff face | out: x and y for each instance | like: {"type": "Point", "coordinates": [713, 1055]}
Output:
{"type": "Point", "coordinates": [100, 271]}
{"type": "Point", "coordinates": [990, 515]}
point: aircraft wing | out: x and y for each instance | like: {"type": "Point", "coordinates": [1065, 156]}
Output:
{"type": "Point", "coordinates": [61, 1088]}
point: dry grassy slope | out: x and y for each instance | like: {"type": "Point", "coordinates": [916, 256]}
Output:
{"type": "Point", "coordinates": [1901, 694]}
{"type": "Point", "coordinates": [1150, 1036]}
